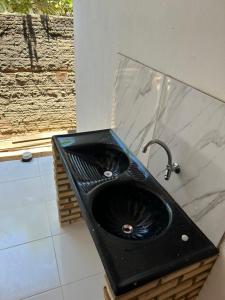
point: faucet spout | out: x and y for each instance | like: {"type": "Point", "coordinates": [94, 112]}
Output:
{"type": "Point", "coordinates": [171, 167]}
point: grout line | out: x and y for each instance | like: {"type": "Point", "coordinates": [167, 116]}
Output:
{"type": "Point", "coordinates": [42, 292]}
{"type": "Point", "coordinates": [57, 264]}
{"type": "Point", "coordinates": [25, 243]}
{"type": "Point", "coordinates": [48, 217]}
{"type": "Point", "coordinates": [81, 279]}
{"type": "Point", "coordinates": [170, 76]}
{"type": "Point", "coordinates": [20, 179]}
{"type": "Point", "coordinates": [81, 220]}
{"type": "Point", "coordinates": [53, 245]}
{"type": "Point", "coordinates": [51, 235]}
{"type": "Point", "coordinates": [62, 285]}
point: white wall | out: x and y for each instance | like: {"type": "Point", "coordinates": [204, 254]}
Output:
{"type": "Point", "coordinates": [94, 45]}
{"type": "Point", "coordinates": [184, 39]}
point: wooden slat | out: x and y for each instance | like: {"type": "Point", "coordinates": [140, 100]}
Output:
{"type": "Point", "coordinates": [38, 136]}
{"type": "Point", "coordinates": [133, 293]}
{"type": "Point", "coordinates": [17, 155]}
{"type": "Point", "coordinates": [159, 290]}
{"type": "Point", "coordinates": [35, 143]}
{"type": "Point", "coordinates": [24, 146]}
{"type": "Point", "coordinates": [194, 287]}
{"type": "Point", "coordinates": [176, 290]}
{"type": "Point", "coordinates": [68, 207]}
{"type": "Point", "coordinates": [180, 272]}
{"type": "Point", "coordinates": [197, 271]}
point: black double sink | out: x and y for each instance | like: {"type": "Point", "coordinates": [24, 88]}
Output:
{"type": "Point", "coordinates": [139, 231]}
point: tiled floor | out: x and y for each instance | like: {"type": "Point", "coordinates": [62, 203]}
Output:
{"type": "Point", "coordinates": [39, 260]}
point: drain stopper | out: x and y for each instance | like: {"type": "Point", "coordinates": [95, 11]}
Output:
{"type": "Point", "coordinates": [108, 174]}
{"type": "Point", "coordinates": [127, 228]}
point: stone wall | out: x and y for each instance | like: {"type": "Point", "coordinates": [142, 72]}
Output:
{"type": "Point", "coordinates": [36, 74]}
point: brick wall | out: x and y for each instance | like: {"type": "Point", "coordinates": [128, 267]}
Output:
{"type": "Point", "coordinates": [36, 74]}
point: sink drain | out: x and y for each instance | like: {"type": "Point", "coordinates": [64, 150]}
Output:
{"type": "Point", "coordinates": [127, 228]}
{"type": "Point", "coordinates": [108, 174]}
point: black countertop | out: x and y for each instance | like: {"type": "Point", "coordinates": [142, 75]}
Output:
{"type": "Point", "coordinates": [132, 263]}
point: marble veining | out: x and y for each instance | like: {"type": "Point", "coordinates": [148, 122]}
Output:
{"type": "Point", "coordinates": [192, 124]}
{"type": "Point", "coordinates": [137, 92]}
{"type": "Point", "coordinates": [151, 105]}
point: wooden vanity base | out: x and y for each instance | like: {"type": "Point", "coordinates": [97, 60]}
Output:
{"type": "Point", "coordinates": [68, 207]}
{"type": "Point", "coordinates": [184, 284]}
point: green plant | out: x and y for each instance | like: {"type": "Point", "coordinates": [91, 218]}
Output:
{"type": "Point", "coordinates": [50, 7]}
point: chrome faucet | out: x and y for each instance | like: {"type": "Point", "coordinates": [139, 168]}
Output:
{"type": "Point", "coordinates": [171, 166]}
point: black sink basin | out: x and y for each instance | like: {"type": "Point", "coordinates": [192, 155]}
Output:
{"type": "Point", "coordinates": [97, 162]}
{"type": "Point", "coordinates": [131, 212]}
{"type": "Point", "coordinates": [136, 225]}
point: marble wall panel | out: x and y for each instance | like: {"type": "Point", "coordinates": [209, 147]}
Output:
{"type": "Point", "coordinates": [151, 105]}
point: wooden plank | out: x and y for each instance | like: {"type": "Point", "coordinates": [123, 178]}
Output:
{"type": "Point", "coordinates": [159, 290]}
{"type": "Point", "coordinates": [180, 272]}
{"type": "Point", "coordinates": [62, 182]}
{"type": "Point", "coordinates": [17, 155]}
{"type": "Point", "coordinates": [176, 290]}
{"type": "Point", "coordinates": [197, 271]}
{"type": "Point", "coordinates": [71, 217]}
{"type": "Point", "coordinates": [68, 205]}
{"type": "Point", "coordinates": [134, 293]}
{"type": "Point", "coordinates": [194, 293]}
{"type": "Point", "coordinates": [185, 292]}
{"type": "Point", "coordinates": [201, 276]}
{"type": "Point", "coordinates": [60, 170]}
{"type": "Point", "coordinates": [75, 210]}
{"type": "Point", "coordinates": [63, 188]}
{"type": "Point", "coordinates": [38, 136]}
{"type": "Point", "coordinates": [60, 176]}
{"type": "Point", "coordinates": [27, 141]}
{"type": "Point", "coordinates": [65, 194]}
{"type": "Point", "coordinates": [209, 260]}
{"type": "Point", "coordinates": [22, 146]}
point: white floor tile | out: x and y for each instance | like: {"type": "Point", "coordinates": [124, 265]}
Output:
{"type": "Point", "coordinates": [27, 270]}
{"type": "Point", "coordinates": [55, 294]}
{"type": "Point", "coordinates": [86, 289]}
{"type": "Point", "coordinates": [15, 169]}
{"type": "Point", "coordinates": [76, 254]}
{"type": "Point", "coordinates": [46, 164]}
{"type": "Point", "coordinates": [24, 224]}
{"type": "Point", "coordinates": [18, 193]}
{"type": "Point", "coordinates": [49, 188]}
{"type": "Point", "coordinates": [53, 217]}
{"type": "Point", "coordinates": [55, 226]}
{"type": "Point", "coordinates": [47, 177]}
